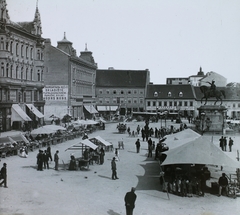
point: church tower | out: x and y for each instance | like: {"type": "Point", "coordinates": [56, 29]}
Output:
{"type": "Point", "coordinates": [37, 25]}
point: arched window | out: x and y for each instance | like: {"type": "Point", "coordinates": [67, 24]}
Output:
{"type": "Point", "coordinates": [11, 68]}
{"type": "Point", "coordinates": [22, 73]}
{"type": "Point", "coordinates": [31, 53]}
{"type": "Point", "coordinates": [17, 49]}
{"type": "Point", "coordinates": [31, 75]}
{"type": "Point", "coordinates": [122, 92]}
{"type": "Point", "coordinates": [11, 47]}
{"type": "Point", "coordinates": [38, 55]}
{"type": "Point", "coordinates": [2, 70]}
{"type": "Point", "coordinates": [17, 72]}
{"type": "Point", "coordinates": [27, 52]}
{"type": "Point", "coordinates": [180, 94]}
{"type": "Point", "coordinates": [26, 73]}
{"type": "Point", "coordinates": [169, 94]}
{"type": "Point", "coordinates": [38, 75]}
{"type": "Point", "coordinates": [7, 70]}
{"type": "Point", "coordinates": [21, 50]}
{"type": "Point", "coordinates": [114, 92]}
{"type": "Point", "coordinates": [2, 44]}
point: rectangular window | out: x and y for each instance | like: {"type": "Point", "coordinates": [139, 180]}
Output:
{"type": "Point", "coordinates": [185, 103]}
{"type": "Point", "coordinates": [191, 104]}
{"type": "Point", "coordinates": [165, 103]}
{"type": "Point", "coordinates": [180, 103]}
{"type": "Point", "coordinates": [154, 103]}
{"type": "Point", "coordinates": [148, 103]}
{"type": "Point", "coordinates": [170, 104]}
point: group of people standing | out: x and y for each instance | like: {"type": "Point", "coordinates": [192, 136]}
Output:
{"type": "Point", "coordinates": [223, 143]}
{"type": "Point", "coordinates": [43, 158]}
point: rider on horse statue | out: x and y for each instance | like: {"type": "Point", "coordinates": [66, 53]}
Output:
{"type": "Point", "coordinates": [212, 87]}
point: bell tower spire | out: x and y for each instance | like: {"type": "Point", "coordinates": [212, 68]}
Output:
{"type": "Point", "coordinates": [37, 22]}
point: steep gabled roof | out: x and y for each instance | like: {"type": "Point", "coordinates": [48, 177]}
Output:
{"type": "Point", "coordinates": [27, 26]}
{"type": "Point", "coordinates": [121, 78]}
{"type": "Point", "coordinates": [182, 91]}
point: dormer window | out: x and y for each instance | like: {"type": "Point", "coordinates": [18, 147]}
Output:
{"type": "Point", "coordinates": [169, 94]}
{"type": "Point", "coordinates": [180, 94]}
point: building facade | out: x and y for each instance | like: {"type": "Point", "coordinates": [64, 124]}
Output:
{"type": "Point", "coordinates": [121, 90]}
{"type": "Point", "coordinates": [21, 74]}
{"type": "Point", "coordinates": [69, 81]}
{"type": "Point", "coordinates": [171, 100]}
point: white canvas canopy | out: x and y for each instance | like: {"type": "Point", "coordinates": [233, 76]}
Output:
{"type": "Point", "coordinates": [80, 144]}
{"type": "Point", "coordinates": [101, 140]}
{"type": "Point", "coordinates": [199, 151]}
{"type": "Point", "coordinates": [181, 135]}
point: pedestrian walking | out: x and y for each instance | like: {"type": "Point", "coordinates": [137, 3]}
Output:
{"type": "Point", "coordinates": [117, 154]}
{"type": "Point", "coordinates": [3, 175]}
{"type": "Point", "coordinates": [149, 147]}
{"type": "Point", "coordinates": [102, 154]}
{"type": "Point", "coordinates": [130, 199]}
{"type": "Point", "coordinates": [138, 145]}
{"type": "Point", "coordinates": [49, 152]}
{"type": "Point", "coordinates": [40, 160]}
{"type": "Point", "coordinates": [56, 159]}
{"type": "Point", "coordinates": [45, 160]}
{"type": "Point", "coordinates": [221, 143]}
{"type": "Point", "coordinates": [114, 169]}
{"type": "Point", "coordinates": [230, 144]}
{"type": "Point", "coordinates": [225, 144]}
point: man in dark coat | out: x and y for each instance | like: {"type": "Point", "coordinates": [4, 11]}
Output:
{"type": "Point", "coordinates": [40, 160]}
{"type": "Point", "coordinates": [150, 147]}
{"type": "Point", "coordinates": [3, 175]}
{"type": "Point", "coordinates": [56, 158]}
{"type": "Point", "coordinates": [114, 169]}
{"type": "Point", "coordinates": [138, 145]}
{"type": "Point", "coordinates": [130, 199]}
{"type": "Point", "coordinates": [223, 183]}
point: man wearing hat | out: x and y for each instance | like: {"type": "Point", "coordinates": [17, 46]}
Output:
{"type": "Point", "coordinates": [130, 199]}
{"type": "Point", "coordinates": [114, 169]}
{"type": "Point", "coordinates": [3, 174]}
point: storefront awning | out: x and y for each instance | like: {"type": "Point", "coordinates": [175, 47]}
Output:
{"type": "Point", "coordinates": [35, 110]}
{"type": "Point", "coordinates": [90, 109]}
{"type": "Point", "coordinates": [107, 108]}
{"type": "Point", "coordinates": [18, 114]}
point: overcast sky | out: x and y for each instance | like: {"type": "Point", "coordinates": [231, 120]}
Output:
{"type": "Point", "coordinates": [171, 38]}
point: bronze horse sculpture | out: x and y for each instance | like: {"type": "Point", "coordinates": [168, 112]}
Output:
{"type": "Point", "coordinates": [208, 93]}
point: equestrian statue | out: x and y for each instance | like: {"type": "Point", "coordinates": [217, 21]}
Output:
{"type": "Point", "coordinates": [211, 92]}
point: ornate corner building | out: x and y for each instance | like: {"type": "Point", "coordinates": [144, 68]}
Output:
{"type": "Point", "coordinates": [21, 71]}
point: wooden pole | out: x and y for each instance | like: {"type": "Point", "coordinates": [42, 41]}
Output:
{"type": "Point", "coordinates": [162, 175]}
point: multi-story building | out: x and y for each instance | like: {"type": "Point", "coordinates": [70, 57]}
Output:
{"type": "Point", "coordinates": [21, 73]}
{"type": "Point", "coordinates": [172, 100]}
{"type": "Point", "coordinates": [122, 90]}
{"type": "Point", "coordinates": [69, 81]}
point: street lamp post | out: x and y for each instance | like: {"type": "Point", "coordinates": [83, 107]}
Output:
{"type": "Point", "coordinates": [165, 116]}
{"type": "Point", "coordinates": [156, 96]}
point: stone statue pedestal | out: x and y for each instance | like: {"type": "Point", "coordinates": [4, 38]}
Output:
{"type": "Point", "coordinates": [212, 118]}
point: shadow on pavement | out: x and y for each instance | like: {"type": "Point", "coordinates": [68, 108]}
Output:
{"type": "Point", "coordinates": [111, 212]}
{"type": "Point", "coordinates": [103, 176]}
{"type": "Point", "coordinates": [150, 180]}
